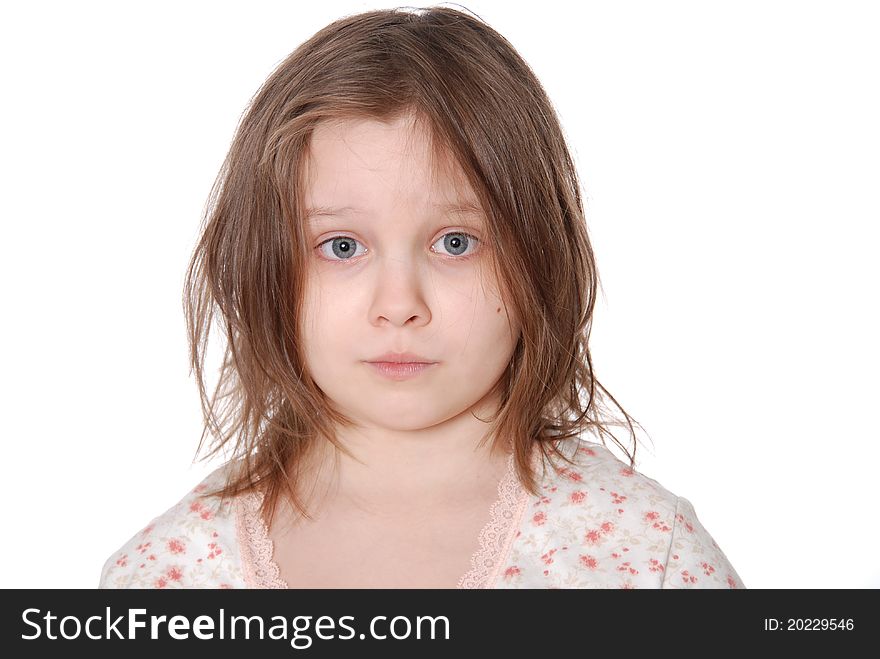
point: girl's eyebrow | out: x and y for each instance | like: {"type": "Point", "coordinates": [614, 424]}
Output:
{"type": "Point", "coordinates": [461, 207]}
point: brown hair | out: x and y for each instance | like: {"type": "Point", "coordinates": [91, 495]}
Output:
{"type": "Point", "coordinates": [480, 103]}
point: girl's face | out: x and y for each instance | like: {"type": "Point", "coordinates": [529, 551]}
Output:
{"type": "Point", "coordinates": [395, 270]}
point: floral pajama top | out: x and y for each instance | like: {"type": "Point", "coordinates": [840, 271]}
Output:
{"type": "Point", "coordinates": [599, 524]}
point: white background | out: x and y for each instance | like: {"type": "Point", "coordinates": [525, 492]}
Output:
{"type": "Point", "coordinates": [729, 156]}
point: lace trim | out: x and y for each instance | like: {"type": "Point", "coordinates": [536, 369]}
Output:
{"type": "Point", "coordinates": [497, 535]}
{"type": "Point", "coordinates": [495, 539]}
{"type": "Point", "coordinates": [258, 566]}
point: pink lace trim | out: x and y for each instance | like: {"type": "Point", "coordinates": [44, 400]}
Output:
{"type": "Point", "coordinates": [495, 539]}
{"type": "Point", "coordinates": [497, 535]}
{"type": "Point", "coordinates": [260, 571]}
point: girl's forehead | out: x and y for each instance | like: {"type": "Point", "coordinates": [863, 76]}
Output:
{"type": "Point", "coordinates": [361, 162]}
{"type": "Point", "coordinates": [375, 145]}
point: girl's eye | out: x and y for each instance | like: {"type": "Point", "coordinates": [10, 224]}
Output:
{"type": "Point", "coordinates": [343, 248]}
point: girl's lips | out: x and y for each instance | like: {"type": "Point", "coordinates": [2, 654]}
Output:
{"type": "Point", "coordinates": [400, 370]}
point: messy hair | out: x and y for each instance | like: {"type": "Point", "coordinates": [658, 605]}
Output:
{"type": "Point", "coordinates": [485, 111]}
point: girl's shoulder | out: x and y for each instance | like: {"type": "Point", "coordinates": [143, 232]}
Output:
{"type": "Point", "coordinates": [193, 544]}
{"type": "Point", "coordinates": [602, 524]}
{"type": "Point", "coordinates": [592, 465]}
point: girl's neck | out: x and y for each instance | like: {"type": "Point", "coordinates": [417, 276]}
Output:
{"type": "Point", "coordinates": [442, 465]}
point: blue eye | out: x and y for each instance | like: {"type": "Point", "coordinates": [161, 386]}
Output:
{"type": "Point", "coordinates": [342, 246]}
{"type": "Point", "coordinates": [345, 247]}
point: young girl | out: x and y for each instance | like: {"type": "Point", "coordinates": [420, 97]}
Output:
{"type": "Point", "coordinates": [397, 249]}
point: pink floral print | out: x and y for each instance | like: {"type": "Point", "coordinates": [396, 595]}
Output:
{"type": "Point", "coordinates": [191, 545]}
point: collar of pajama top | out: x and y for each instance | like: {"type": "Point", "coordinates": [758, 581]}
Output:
{"type": "Point", "coordinates": [595, 524]}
